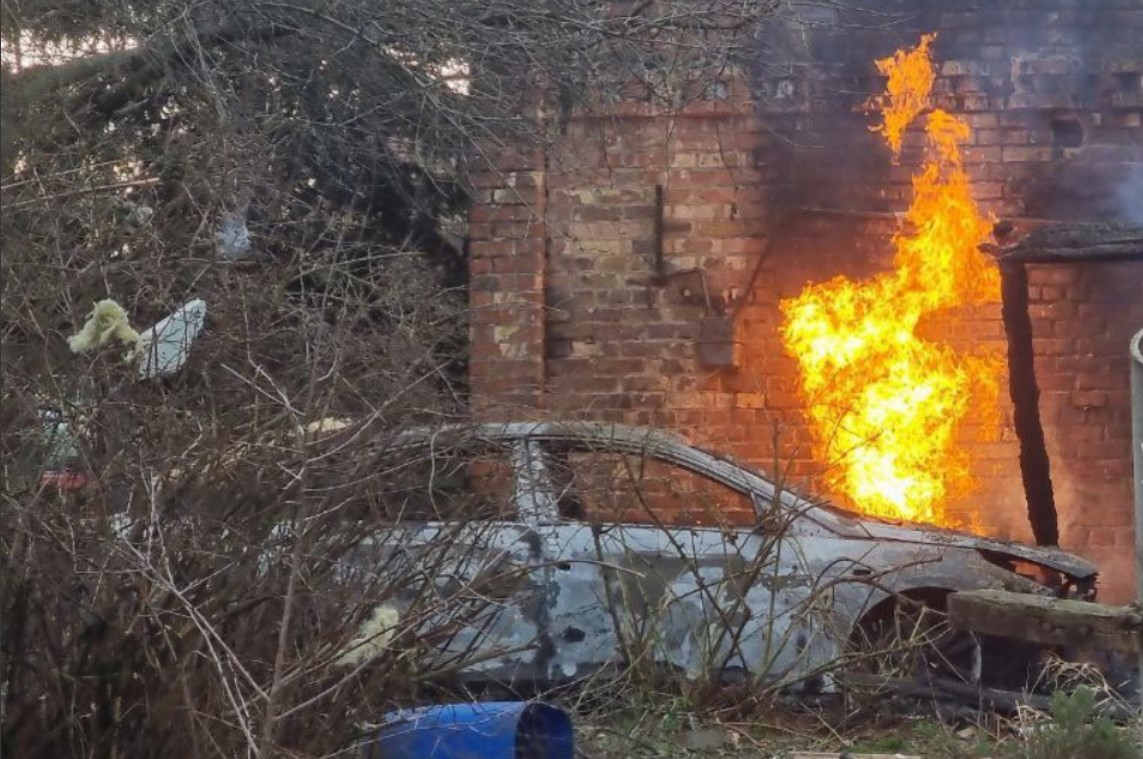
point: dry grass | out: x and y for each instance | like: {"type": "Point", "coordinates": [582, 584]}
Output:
{"type": "Point", "coordinates": [779, 730]}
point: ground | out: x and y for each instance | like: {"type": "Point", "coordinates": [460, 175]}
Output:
{"type": "Point", "coordinates": [780, 731]}
{"type": "Point", "coordinates": [782, 734]}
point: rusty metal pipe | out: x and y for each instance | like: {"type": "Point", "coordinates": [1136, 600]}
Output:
{"type": "Point", "coordinates": [1136, 350]}
{"type": "Point", "coordinates": [1137, 446]}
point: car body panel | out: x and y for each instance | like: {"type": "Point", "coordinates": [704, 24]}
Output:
{"type": "Point", "coordinates": [702, 600]}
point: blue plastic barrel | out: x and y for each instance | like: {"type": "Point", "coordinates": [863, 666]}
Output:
{"type": "Point", "coordinates": [493, 730]}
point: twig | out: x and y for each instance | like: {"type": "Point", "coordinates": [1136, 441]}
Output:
{"type": "Point", "coordinates": [85, 191]}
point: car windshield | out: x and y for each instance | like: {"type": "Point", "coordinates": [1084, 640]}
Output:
{"type": "Point", "coordinates": [793, 489]}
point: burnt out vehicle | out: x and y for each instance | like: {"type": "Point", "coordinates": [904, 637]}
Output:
{"type": "Point", "coordinates": [595, 545]}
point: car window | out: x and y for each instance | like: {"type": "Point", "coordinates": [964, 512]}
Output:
{"type": "Point", "coordinates": [456, 484]}
{"type": "Point", "coordinates": [605, 486]}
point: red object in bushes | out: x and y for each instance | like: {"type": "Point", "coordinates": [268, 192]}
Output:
{"type": "Point", "coordinates": [64, 480]}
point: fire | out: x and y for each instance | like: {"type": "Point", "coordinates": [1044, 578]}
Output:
{"type": "Point", "coordinates": [884, 403]}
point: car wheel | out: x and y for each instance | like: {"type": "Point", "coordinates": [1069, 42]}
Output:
{"type": "Point", "coordinates": [909, 638]}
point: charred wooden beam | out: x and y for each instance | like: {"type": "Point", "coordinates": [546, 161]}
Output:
{"type": "Point", "coordinates": [1049, 621]}
{"type": "Point", "coordinates": [1075, 243]}
{"type": "Point", "coordinates": [975, 696]}
{"type": "Point", "coordinates": [1095, 254]}
{"type": "Point", "coordinates": [1035, 466]}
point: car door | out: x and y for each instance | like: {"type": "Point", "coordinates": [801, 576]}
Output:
{"type": "Point", "coordinates": [468, 573]}
{"type": "Point", "coordinates": [659, 563]}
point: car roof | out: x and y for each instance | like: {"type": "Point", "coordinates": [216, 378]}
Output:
{"type": "Point", "coordinates": [659, 443]}
{"type": "Point", "coordinates": [602, 432]}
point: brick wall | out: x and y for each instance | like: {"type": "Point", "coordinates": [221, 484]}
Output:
{"type": "Point", "coordinates": [574, 312]}
{"type": "Point", "coordinates": [1083, 319]}
{"type": "Point", "coordinates": [509, 247]}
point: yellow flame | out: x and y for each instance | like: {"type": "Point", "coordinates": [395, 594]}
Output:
{"type": "Point", "coordinates": [884, 403]}
{"type": "Point", "coordinates": [907, 92]}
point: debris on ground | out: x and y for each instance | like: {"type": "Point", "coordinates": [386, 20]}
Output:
{"type": "Point", "coordinates": [488, 730]}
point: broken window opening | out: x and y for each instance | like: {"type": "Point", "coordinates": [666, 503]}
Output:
{"type": "Point", "coordinates": [609, 487]}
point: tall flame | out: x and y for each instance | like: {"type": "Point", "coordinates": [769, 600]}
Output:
{"type": "Point", "coordinates": [884, 402]}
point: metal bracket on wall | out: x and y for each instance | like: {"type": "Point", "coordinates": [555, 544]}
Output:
{"type": "Point", "coordinates": [716, 345]}
{"type": "Point", "coordinates": [662, 275]}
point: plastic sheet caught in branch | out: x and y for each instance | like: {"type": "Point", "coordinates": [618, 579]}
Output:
{"type": "Point", "coordinates": [164, 348]}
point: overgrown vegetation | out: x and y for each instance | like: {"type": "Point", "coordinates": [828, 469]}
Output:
{"type": "Point", "coordinates": [183, 566]}
{"type": "Point", "coordinates": [672, 729]}
{"type": "Point", "coordinates": [191, 565]}
{"type": "Point", "coordinates": [1076, 730]}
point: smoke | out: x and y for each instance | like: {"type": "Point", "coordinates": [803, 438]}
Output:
{"type": "Point", "coordinates": [1129, 194]}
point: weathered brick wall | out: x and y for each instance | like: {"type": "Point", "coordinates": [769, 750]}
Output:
{"type": "Point", "coordinates": [572, 313]}
{"type": "Point", "coordinates": [1083, 320]}
{"type": "Point", "coordinates": [508, 253]}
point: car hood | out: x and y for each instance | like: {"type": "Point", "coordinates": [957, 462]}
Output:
{"type": "Point", "coordinates": [1054, 558]}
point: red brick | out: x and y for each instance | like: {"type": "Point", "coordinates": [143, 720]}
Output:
{"type": "Point", "coordinates": [1053, 309]}
{"type": "Point", "coordinates": [1104, 450]}
{"type": "Point", "coordinates": [1049, 382]}
{"type": "Point", "coordinates": [1090, 381]}
{"type": "Point", "coordinates": [1123, 469]}
{"type": "Point", "coordinates": [1055, 274]}
{"type": "Point", "coordinates": [1025, 153]}
{"type": "Point", "coordinates": [1050, 346]}
{"type": "Point", "coordinates": [1089, 398]}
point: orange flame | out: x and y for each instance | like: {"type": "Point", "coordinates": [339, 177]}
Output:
{"type": "Point", "coordinates": [910, 75]}
{"type": "Point", "coordinates": [884, 403]}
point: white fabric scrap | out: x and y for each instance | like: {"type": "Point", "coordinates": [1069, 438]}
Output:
{"type": "Point", "coordinates": [372, 638]}
{"type": "Point", "coordinates": [233, 237]}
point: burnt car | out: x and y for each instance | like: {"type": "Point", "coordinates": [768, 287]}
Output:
{"type": "Point", "coordinates": [617, 545]}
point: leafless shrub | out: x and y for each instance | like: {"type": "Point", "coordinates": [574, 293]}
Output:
{"type": "Point", "coordinates": [200, 593]}
{"type": "Point", "coordinates": [188, 562]}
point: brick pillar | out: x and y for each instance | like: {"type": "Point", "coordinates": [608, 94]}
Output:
{"type": "Point", "coordinates": [1084, 315]}
{"type": "Point", "coordinates": [507, 259]}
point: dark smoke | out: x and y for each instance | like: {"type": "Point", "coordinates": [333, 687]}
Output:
{"type": "Point", "coordinates": [1130, 196]}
